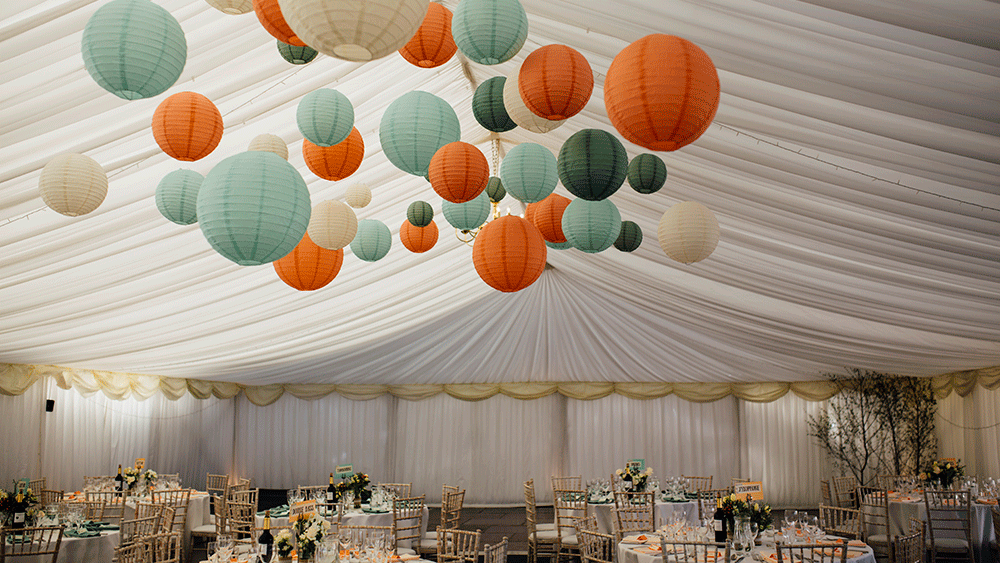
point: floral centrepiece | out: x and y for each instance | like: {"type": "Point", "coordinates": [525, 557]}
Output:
{"type": "Point", "coordinates": [139, 479]}
{"type": "Point", "coordinates": [635, 477]}
{"type": "Point", "coordinates": [10, 503]}
{"type": "Point", "coordinates": [757, 513]}
{"type": "Point", "coordinates": [284, 542]}
{"type": "Point", "coordinates": [944, 472]}
{"type": "Point", "coordinates": [309, 530]}
{"type": "Point", "coordinates": [357, 484]}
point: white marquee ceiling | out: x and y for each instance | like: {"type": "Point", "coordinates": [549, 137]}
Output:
{"type": "Point", "coordinates": [853, 166]}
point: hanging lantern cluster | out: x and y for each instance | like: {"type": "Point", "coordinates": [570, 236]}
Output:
{"type": "Point", "coordinates": [420, 214]}
{"type": "Point", "coordinates": [547, 216]}
{"type": "Point", "coordinates": [555, 82]}
{"type": "Point", "coordinates": [592, 164]}
{"type": "Point", "coordinates": [647, 173]}
{"type": "Point", "coordinates": [325, 117]}
{"type": "Point", "coordinates": [467, 216]}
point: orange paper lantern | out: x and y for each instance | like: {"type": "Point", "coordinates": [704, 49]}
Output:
{"type": "Point", "coordinates": [547, 217]}
{"type": "Point", "coordinates": [338, 161]}
{"type": "Point", "coordinates": [459, 172]}
{"type": "Point", "coordinates": [308, 266]}
{"type": "Point", "coordinates": [269, 14]}
{"type": "Point", "coordinates": [509, 253]}
{"type": "Point", "coordinates": [418, 239]}
{"type": "Point", "coordinates": [555, 82]}
{"type": "Point", "coordinates": [433, 44]}
{"type": "Point", "coordinates": [661, 92]}
{"type": "Point", "coordinates": [187, 126]}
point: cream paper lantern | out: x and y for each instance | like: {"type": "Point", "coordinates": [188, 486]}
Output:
{"type": "Point", "coordinates": [519, 112]}
{"type": "Point", "coordinates": [353, 30]}
{"type": "Point", "coordinates": [232, 7]}
{"type": "Point", "coordinates": [358, 196]}
{"type": "Point", "coordinates": [688, 232]}
{"type": "Point", "coordinates": [73, 184]}
{"type": "Point", "coordinates": [269, 143]}
{"type": "Point", "coordinates": [332, 225]}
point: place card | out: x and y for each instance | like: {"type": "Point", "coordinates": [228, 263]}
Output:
{"type": "Point", "coordinates": [344, 471]}
{"type": "Point", "coordinates": [754, 488]}
{"type": "Point", "coordinates": [140, 463]}
{"type": "Point", "coordinates": [301, 509]}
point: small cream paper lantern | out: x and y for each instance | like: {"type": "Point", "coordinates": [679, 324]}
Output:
{"type": "Point", "coordinates": [73, 184]}
{"type": "Point", "coordinates": [352, 30]}
{"type": "Point", "coordinates": [333, 225]}
{"type": "Point", "coordinates": [688, 232]}
{"type": "Point", "coordinates": [358, 196]}
{"type": "Point", "coordinates": [519, 112]}
{"type": "Point", "coordinates": [232, 7]}
{"type": "Point", "coordinates": [269, 143]}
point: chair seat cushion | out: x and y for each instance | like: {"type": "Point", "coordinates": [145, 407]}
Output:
{"type": "Point", "coordinates": [877, 539]}
{"type": "Point", "coordinates": [545, 526]}
{"type": "Point", "coordinates": [428, 544]}
{"type": "Point", "coordinates": [407, 551]}
{"type": "Point", "coordinates": [570, 541]}
{"type": "Point", "coordinates": [546, 535]}
{"type": "Point", "coordinates": [951, 544]}
{"type": "Point", "coordinates": [204, 530]}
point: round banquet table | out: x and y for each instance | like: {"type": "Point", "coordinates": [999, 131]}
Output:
{"type": "Point", "coordinates": [662, 513]}
{"type": "Point", "coordinates": [98, 549]}
{"type": "Point", "coordinates": [639, 553]}
{"type": "Point", "coordinates": [904, 507]}
{"type": "Point", "coordinates": [356, 518]}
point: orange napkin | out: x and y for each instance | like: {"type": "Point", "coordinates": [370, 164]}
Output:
{"type": "Point", "coordinates": [636, 539]}
{"type": "Point", "coordinates": [648, 549]}
{"type": "Point", "coordinates": [406, 557]}
{"type": "Point", "coordinates": [984, 500]}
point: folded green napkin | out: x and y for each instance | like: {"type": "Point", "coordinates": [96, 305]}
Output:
{"type": "Point", "coordinates": [81, 534]}
{"type": "Point", "coordinates": [94, 525]}
{"type": "Point", "coordinates": [277, 511]}
{"type": "Point", "coordinates": [19, 538]}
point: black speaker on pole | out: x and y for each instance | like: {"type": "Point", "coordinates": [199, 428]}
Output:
{"type": "Point", "coordinates": [50, 405]}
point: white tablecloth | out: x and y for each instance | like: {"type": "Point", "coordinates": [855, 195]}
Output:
{"type": "Point", "coordinates": [628, 554]}
{"type": "Point", "coordinates": [98, 549]}
{"type": "Point", "coordinates": [357, 518]}
{"type": "Point", "coordinates": [662, 513]}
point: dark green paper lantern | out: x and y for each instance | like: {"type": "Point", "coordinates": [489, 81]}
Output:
{"type": "Point", "coordinates": [647, 173]}
{"type": "Point", "coordinates": [177, 196]}
{"type": "Point", "coordinates": [495, 189]}
{"type": "Point", "coordinates": [630, 238]}
{"type": "Point", "coordinates": [420, 214]}
{"type": "Point", "coordinates": [133, 48]}
{"type": "Point", "coordinates": [373, 240]}
{"type": "Point", "coordinates": [592, 226]}
{"type": "Point", "coordinates": [253, 207]}
{"type": "Point", "coordinates": [469, 215]}
{"type": "Point", "coordinates": [488, 108]}
{"type": "Point", "coordinates": [592, 164]}
{"type": "Point", "coordinates": [296, 55]}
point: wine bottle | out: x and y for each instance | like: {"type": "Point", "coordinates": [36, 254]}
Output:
{"type": "Point", "coordinates": [266, 540]}
{"type": "Point", "coordinates": [720, 522]}
{"type": "Point", "coordinates": [19, 512]}
{"type": "Point", "coordinates": [119, 480]}
{"type": "Point", "coordinates": [331, 491]}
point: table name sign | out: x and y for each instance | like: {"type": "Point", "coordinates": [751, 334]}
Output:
{"type": "Point", "coordinates": [22, 485]}
{"type": "Point", "coordinates": [754, 488]}
{"type": "Point", "coordinates": [638, 464]}
{"type": "Point", "coordinates": [140, 463]}
{"type": "Point", "coordinates": [301, 509]}
{"type": "Point", "coordinates": [344, 471]}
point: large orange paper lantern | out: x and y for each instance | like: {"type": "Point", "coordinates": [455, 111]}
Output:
{"type": "Point", "coordinates": [269, 14]}
{"type": "Point", "coordinates": [661, 92]}
{"type": "Point", "coordinates": [555, 82]}
{"type": "Point", "coordinates": [547, 216]}
{"type": "Point", "coordinates": [459, 172]}
{"type": "Point", "coordinates": [433, 44]}
{"type": "Point", "coordinates": [308, 266]}
{"type": "Point", "coordinates": [338, 161]}
{"type": "Point", "coordinates": [418, 239]}
{"type": "Point", "coordinates": [187, 126]}
{"type": "Point", "coordinates": [509, 253]}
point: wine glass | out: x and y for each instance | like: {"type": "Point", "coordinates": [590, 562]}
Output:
{"type": "Point", "coordinates": [754, 532]}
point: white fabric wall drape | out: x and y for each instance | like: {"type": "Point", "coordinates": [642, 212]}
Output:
{"type": "Point", "coordinates": [488, 447]}
{"type": "Point", "coordinates": [968, 429]}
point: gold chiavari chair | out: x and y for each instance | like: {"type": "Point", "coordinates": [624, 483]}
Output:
{"type": "Point", "coordinates": [540, 541]}
{"type": "Point", "coordinates": [215, 484]}
{"type": "Point", "coordinates": [634, 498]}
{"type": "Point", "coordinates": [596, 547]}
{"type": "Point", "coordinates": [570, 505]}
{"type": "Point", "coordinates": [843, 522]}
{"type": "Point", "coordinates": [811, 553]}
{"type": "Point", "coordinates": [909, 549]}
{"type": "Point", "coordinates": [49, 496]}
{"type": "Point", "coordinates": [694, 552]}
{"type": "Point", "coordinates": [697, 484]}
{"type": "Point", "coordinates": [31, 541]}
{"type": "Point", "coordinates": [949, 521]}
{"type": "Point", "coordinates": [408, 523]}
{"type": "Point", "coordinates": [402, 490]}
{"type": "Point", "coordinates": [132, 531]}
{"type": "Point", "coordinates": [633, 519]}
{"type": "Point", "coordinates": [37, 484]}
{"type": "Point", "coordinates": [458, 546]}
{"type": "Point", "coordinates": [995, 544]}
{"type": "Point", "coordinates": [875, 520]}
{"type": "Point", "coordinates": [824, 491]}
{"type": "Point", "coordinates": [588, 523]}
{"type": "Point", "coordinates": [845, 490]}
{"type": "Point", "coordinates": [178, 500]}
{"type": "Point", "coordinates": [165, 548]}
{"type": "Point", "coordinates": [496, 553]}
{"type": "Point", "coordinates": [569, 482]}
{"type": "Point", "coordinates": [707, 502]}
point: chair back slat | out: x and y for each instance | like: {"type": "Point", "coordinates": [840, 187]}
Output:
{"type": "Point", "coordinates": [596, 547]}
{"type": "Point", "coordinates": [496, 553]}
{"type": "Point", "coordinates": [694, 552]}
{"type": "Point", "coordinates": [44, 540]}
{"type": "Point", "coordinates": [696, 484]}
{"type": "Point", "coordinates": [811, 553]}
{"type": "Point", "coordinates": [460, 546]}
{"type": "Point", "coordinates": [408, 521]}
{"type": "Point", "coordinates": [843, 522]}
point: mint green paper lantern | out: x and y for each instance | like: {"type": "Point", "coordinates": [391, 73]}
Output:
{"type": "Point", "coordinates": [469, 215]}
{"type": "Point", "coordinates": [414, 127]}
{"type": "Point", "coordinates": [373, 240]}
{"type": "Point", "coordinates": [177, 196]}
{"type": "Point", "coordinates": [529, 172]}
{"type": "Point", "coordinates": [647, 173]}
{"type": "Point", "coordinates": [592, 164]}
{"type": "Point", "coordinates": [495, 189]}
{"type": "Point", "coordinates": [295, 54]}
{"type": "Point", "coordinates": [133, 48]}
{"type": "Point", "coordinates": [488, 108]}
{"type": "Point", "coordinates": [253, 207]}
{"type": "Point", "coordinates": [592, 226]}
{"type": "Point", "coordinates": [630, 237]}
{"type": "Point", "coordinates": [325, 117]}
{"type": "Point", "coordinates": [489, 32]}
{"type": "Point", "coordinates": [559, 245]}
{"type": "Point", "coordinates": [420, 214]}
